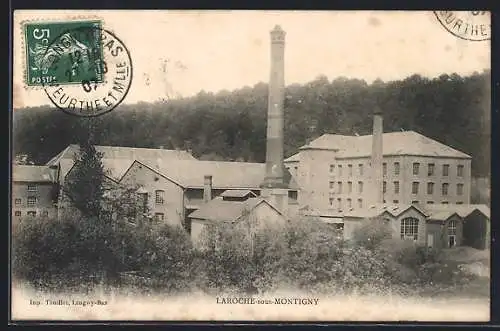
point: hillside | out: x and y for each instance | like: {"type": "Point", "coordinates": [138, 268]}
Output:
{"type": "Point", "coordinates": [228, 125]}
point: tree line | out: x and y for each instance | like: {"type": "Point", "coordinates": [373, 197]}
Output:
{"type": "Point", "coordinates": [231, 125]}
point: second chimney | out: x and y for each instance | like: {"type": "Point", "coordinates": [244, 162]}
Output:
{"type": "Point", "coordinates": [207, 188]}
{"type": "Point", "coordinates": [377, 157]}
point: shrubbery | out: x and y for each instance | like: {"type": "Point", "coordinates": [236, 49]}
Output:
{"type": "Point", "coordinates": [305, 255]}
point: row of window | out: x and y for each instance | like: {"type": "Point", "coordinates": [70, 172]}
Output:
{"type": "Point", "coordinates": [414, 190]}
{"type": "Point", "coordinates": [349, 187]}
{"type": "Point", "coordinates": [32, 213]}
{"type": "Point", "coordinates": [409, 229]}
{"type": "Point", "coordinates": [31, 201]}
{"type": "Point", "coordinates": [430, 188]}
{"type": "Point", "coordinates": [397, 169]}
{"type": "Point", "coordinates": [349, 203]}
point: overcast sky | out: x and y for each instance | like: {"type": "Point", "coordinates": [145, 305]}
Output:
{"type": "Point", "coordinates": [219, 50]}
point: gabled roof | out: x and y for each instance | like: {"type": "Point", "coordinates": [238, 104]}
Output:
{"type": "Point", "coordinates": [237, 193]}
{"type": "Point", "coordinates": [219, 210]}
{"type": "Point", "coordinates": [126, 153]}
{"type": "Point", "coordinates": [31, 173]}
{"type": "Point", "coordinates": [293, 158]}
{"type": "Point", "coordinates": [379, 209]}
{"type": "Point", "coordinates": [394, 143]}
{"type": "Point", "coordinates": [461, 210]}
{"type": "Point", "coordinates": [225, 175]}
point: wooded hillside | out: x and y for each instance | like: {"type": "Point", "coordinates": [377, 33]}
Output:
{"type": "Point", "coordinates": [228, 125]}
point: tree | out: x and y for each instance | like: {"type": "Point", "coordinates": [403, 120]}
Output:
{"type": "Point", "coordinates": [84, 183]}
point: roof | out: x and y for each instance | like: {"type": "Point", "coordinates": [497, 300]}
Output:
{"type": "Point", "coordinates": [237, 193]}
{"type": "Point", "coordinates": [219, 210]}
{"type": "Point", "coordinates": [461, 210]}
{"type": "Point", "coordinates": [378, 209]}
{"type": "Point", "coordinates": [293, 158]}
{"type": "Point", "coordinates": [126, 153]}
{"type": "Point", "coordinates": [225, 175]}
{"type": "Point", "coordinates": [394, 143]}
{"type": "Point", "coordinates": [31, 173]}
{"type": "Point", "coordinates": [116, 160]}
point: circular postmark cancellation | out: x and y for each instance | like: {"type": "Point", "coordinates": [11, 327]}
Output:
{"type": "Point", "coordinates": [467, 25]}
{"type": "Point", "coordinates": [91, 71]}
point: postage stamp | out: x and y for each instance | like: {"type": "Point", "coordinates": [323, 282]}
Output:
{"type": "Point", "coordinates": [63, 52]}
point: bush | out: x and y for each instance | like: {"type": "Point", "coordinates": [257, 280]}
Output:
{"type": "Point", "coordinates": [371, 233]}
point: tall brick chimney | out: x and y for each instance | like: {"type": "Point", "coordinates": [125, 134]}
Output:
{"type": "Point", "coordinates": [275, 118]}
{"type": "Point", "coordinates": [377, 176]}
{"type": "Point", "coordinates": [207, 188]}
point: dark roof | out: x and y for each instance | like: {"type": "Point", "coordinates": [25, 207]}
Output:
{"type": "Point", "coordinates": [394, 143]}
{"type": "Point", "coordinates": [218, 210]}
{"type": "Point", "coordinates": [31, 173]}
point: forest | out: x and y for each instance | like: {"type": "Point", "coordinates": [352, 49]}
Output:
{"type": "Point", "coordinates": [231, 125]}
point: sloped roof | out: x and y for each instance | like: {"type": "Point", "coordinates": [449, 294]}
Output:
{"type": "Point", "coordinates": [225, 175]}
{"type": "Point", "coordinates": [218, 210]}
{"type": "Point", "coordinates": [293, 158]}
{"type": "Point", "coordinates": [116, 160]}
{"type": "Point", "coordinates": [237, 193]}
{"type": "Point", "coordinates": [394, 143]}
{"type": "Point", "coordinates": [461, 210]}
{"type": "Point", "coordinates": [378, 209]}
{"type": "Point", "coordinates": [126, 153]}
{"type": "Point", "coordinates": [31, 173]}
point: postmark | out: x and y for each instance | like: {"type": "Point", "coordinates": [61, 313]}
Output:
{"type": "Point", "coordinates": [467, 25]}
{"type": "Point", "coordinates": [90, 78]}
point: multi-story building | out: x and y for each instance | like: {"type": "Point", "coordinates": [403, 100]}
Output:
{"type": "Point", "coordinates": [34, 191]}
{"type": "Point", "coordinates": [334, 171]}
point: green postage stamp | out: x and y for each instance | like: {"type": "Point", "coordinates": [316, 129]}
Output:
{"type": "Point", "coordinates": [63, 52]}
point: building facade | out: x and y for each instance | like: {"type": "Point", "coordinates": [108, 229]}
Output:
{"type": "Point", "coordinates": [334, 172]}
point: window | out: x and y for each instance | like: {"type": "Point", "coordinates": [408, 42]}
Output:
{"type": "Point", "coordinates": [293, 195]}
{"type": "Point", "coordinates": [360, 168]}
{"type": "Point", "coordinates": [384, 187]}
{"type": "Point", "coordinates": [31, 188]}
{"type": "Point", "coordinates": [416, 168]}
{"type": "Point", "coordinates": [360, 203]}
{"type": "Point", "coordinates": [339, 203]}
{"type": "Point", "coordinates": [446, 169]}
{"type": "Point", "coordinates": [159, 216]}
{"type": "Point", "coordinates": [349, 169]}
{"type": "Point", "coordinates": [396, 168]}
{"type": "Point", "coordinates": [460, 203]}
{"type": "Point", "coordinates": [144, 200]}
{"type": "Point", "coordinates": [31, 201]}
{"type": "Point", "coordinates": [396, 187]}
{"type": "Point", "coordinates": [349, 203]}
{"type": "Point", "coordinates": [430, 202]}
{"type": "Point", "coordinates": [414, 202]}
{"type": "Point", "coordinates": [296, 168]}
{"type": "Point", "coordinates": [339, 187]}
{"type": "Point", "coordinates": [159, 197]}
{"type": "Point", "coordinates": [445, 188]}
{"type": "Point", "coordinates": [452, 233]}
{"type": "Point", "coordinates": [360, 187]}
{"type": "Point", "coordinates": [430, 169]}
{"type": "Point", "coordinates": [395, 201]}
{"type": "Point", "coordinates": [460, 189]}
{"type": "Point", "coordinates": [331, 201]}
{"type": "Point", "coordinates": [17, 201]}
{"type": "Point", "coordinates": [430, 188]}
{"type": "Point", "coordinates": [332, 184]}
{"type": "Point", "coordinates": [460, 170]}
{"type": "Point", "coordinates": [409, 228]}
{"type": "Point", "coordinates": [32, 213]}
{"type": "Point", "coordinates": [444, 202]}
{"type": "Point", "coordinates": [45, 213]}
{"type": "Point", "coordinates": [332, 168]}
{"type": "Point", "coordinates": [349, 187]}
{"type": "Point", "coordinates": [340, 169]}
{"type": "Point", "coordinates": [384, 169]}
{"type": "Point", "coordinates": [414, 188]}
{"type": "Point", "coordinates": [17, 213]}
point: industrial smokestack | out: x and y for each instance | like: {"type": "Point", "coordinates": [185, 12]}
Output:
{"type": "Point", "coordinates": [275, 121]}
{"type": "Point", "coordinates": [207, 188]}
{"type": "Point", "coordinates": [377, 156]}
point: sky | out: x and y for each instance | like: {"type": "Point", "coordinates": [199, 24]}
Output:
{"type": "Point", "coordinates": [179, 53]}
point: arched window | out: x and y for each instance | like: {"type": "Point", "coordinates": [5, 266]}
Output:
{"type": "Point", "coordinates": [409, 228]}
